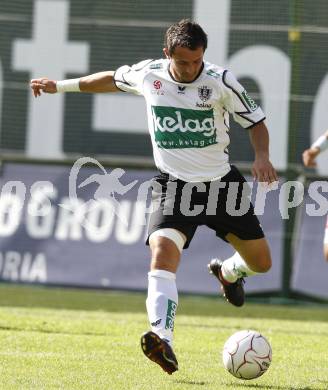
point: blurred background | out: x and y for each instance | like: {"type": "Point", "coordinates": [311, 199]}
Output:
{"type": "Point", "coordinates": [278, 51]}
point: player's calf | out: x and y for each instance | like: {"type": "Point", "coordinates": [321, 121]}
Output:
{"type": "Point", "coordinates": [262, 265]}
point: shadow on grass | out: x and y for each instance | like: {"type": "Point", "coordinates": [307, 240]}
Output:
{"type": "Point", "coordinates": [194, 383]}
{"type": "Point", "coordinates": [134, 302]}
{"type": "Point", "coordinates": [298, 331]}
{"type": "Point", "coordinates": [273, 387]}
{"type": "Point", "coordinates": [243, 385]}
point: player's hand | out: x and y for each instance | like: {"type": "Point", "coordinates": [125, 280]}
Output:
{"type": "Point", "coordinates": [263, 170]}
{"type": "Point", "coordinates": [43, 84]}
{"type": "Point", "coordinates": [309, 156]}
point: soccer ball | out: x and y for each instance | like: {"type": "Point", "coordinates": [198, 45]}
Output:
{"type": "Point", "coordinates": [247, 354]}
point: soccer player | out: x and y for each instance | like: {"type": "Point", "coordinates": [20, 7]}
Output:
{"type": "Point", "coordinates": [188, 105]}
{"type": "Point", "coordinates": [309, 157]}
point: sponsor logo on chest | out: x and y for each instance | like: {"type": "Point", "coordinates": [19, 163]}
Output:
{"type": "Point", "coordinates": [183, 128]}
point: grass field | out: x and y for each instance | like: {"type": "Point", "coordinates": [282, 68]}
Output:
{"type": "Point", "coordinates": [72, 339]}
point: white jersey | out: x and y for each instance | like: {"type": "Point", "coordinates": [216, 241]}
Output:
{"type": "Point", "coordinates": [189, 122]}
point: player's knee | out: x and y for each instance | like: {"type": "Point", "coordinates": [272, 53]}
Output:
{"type": "Point", "coordinates": [166, 241]}
{"type": "Point", "coordinates": [164, 254]}
{"type": "Point", "coordinates": [163, 247]}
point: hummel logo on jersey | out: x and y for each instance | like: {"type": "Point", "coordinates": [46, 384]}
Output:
{"type": "Point", "coordinates": [181, 89]}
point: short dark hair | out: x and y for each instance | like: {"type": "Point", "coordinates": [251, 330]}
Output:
{"type": "Point", "coordinates": [185, 34]}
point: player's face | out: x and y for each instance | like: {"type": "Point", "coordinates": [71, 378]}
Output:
{"type": "Point", "coordinates": [185, 64]}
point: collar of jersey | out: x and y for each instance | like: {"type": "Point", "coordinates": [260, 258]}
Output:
{"type": "Point", "coordinates": [185, 82]}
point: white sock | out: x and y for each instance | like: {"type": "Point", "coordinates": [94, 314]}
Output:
{"type": "Point", "coordinates": [162, 303]}
{"type": "Point", "coordinates": [234, 268]}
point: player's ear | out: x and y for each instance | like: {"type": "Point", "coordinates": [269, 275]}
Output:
{"type": "Point", "coordinates": [166, 52]}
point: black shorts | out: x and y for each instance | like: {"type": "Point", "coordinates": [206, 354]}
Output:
{"type": "Point", "coordinates": [185, 206]}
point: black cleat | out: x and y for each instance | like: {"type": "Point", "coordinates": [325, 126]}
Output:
{"type": "Point", "coordinates": [159, 351]}
{"type": "Point", "coordinates": [233, 292]}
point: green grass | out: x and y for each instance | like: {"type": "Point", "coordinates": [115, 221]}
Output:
{"type": "Point", "coordinates": [72, 339]}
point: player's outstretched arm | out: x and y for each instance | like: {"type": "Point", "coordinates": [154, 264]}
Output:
{"type": "Point", "coordinates": [98, 82]}
{"type": "Point", "coordinates": [309, 155]}
{"type": "Point", "coordinates": [263, 170]}
{"type": "Point", "coordinates": [94, 83]}
{"type": "Point", "coordinates": [43, 84]}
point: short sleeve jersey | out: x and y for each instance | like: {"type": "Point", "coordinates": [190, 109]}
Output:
{"type": "Point", "coordinates": [189, 122]}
